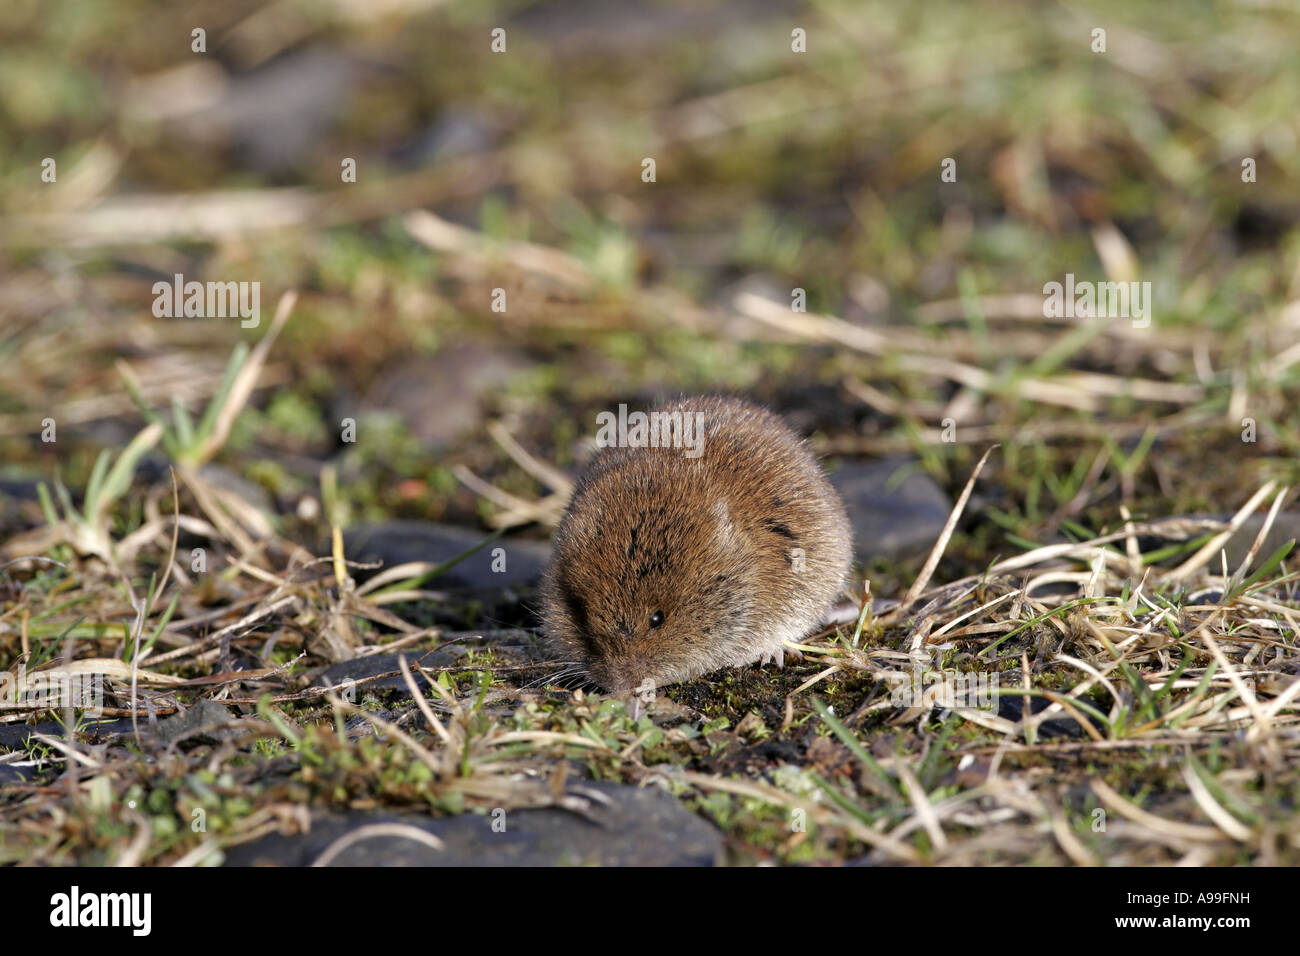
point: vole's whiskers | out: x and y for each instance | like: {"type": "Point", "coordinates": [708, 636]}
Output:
{"type": "Point", "coordinates": [573, 669]}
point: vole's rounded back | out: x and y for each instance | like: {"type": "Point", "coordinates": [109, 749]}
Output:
{"type": "Point", "coordinates": [668, 566]}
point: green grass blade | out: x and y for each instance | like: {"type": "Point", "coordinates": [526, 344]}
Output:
{"type": "Point", "coordinates": [1275, 559]}
{"type": "Point", "coordinates": [96, 483]}
{"type": "Point", "coordinates": [183, 424]}
{"type": "Point", "coordinates": [47, 503]}
{"type": "Point", "coordinates": [850, 740]}
{"type": "Point", "coordinates": [429, 575]}
{"type": "Point", "coordinates": [209, 420]}
{"type": "Point", "coordinates": [119, 479]}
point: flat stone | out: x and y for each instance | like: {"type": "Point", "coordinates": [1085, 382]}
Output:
{"type": "Point", "coordinates": [10, 774]}
{"type": "Point", "coordinates": [637, 827]}
{"type": "Point", "coordinates": [249, 492]}
{"type": "Point", "coordinates": [455, 132]}
{"type": "Point", "coordinates": [897, 511]}
{"type": "Point", "coordinates": [360, 668]}
{"type": "Point", "coordinates": [444, 396]}
{"type": "Point", "coordinates": [1285, 527]}
{"type": "Point", "coordinates": [16, 735]}
{"type": "Point", "coordinates": [276, 113]}
{"type": "Point", "coordinates": [21, 489]}
{"type": "Point", "coordinates": [1013, 709]}
{"type": "Point", "coordinates": [206, 722]}
{"type": "Point", "coordinates": [16, 498]}
{"type": "Point", "coordinates": [452, 649]}
{"type": "Point", "coordinates": [401, 542]}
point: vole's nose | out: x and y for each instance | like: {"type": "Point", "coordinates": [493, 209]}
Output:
{"type": "Point", "coordinates": [639, 697]}
{"type": "Point", "coordinates": [623, 676]}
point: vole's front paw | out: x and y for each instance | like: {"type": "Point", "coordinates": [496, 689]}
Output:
{"type": "Point", "coordinates": [778, 656]}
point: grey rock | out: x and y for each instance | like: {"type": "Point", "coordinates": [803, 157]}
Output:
{"type": "Point", "coordinates": [15, 736]}
{"type": "Point", "coordinates": [635, 827]}
{"type": "Point", "coordinates": [205, 722]}
{"type": "Point", "coordinates": [360, 668]}
{"type": "Point", "coordinates": [20, 489]}
{"type": "Point", "coordinates": [897, 511]}
{"type": "Point", "coordinates": [454, 646]}
{"type": "Point", "coordinates": [443, 397]}
{"type": "Point", "coordinates": [1285, 527]}
{"type": "Point", "coordinates": [11, 774]}
{"type": "Point", "coordinates": [456, 132]}
{"type": "Point", "coordinates": [278, 112]}
{"type": "Point", "coordinates": [401, 542]}
{"type": "Point", "coordinates": [17, 501]}
{"type": "Point", "coordinates": [1013, 708]}
{"type": "Point", "coordinates": [624, 28]}
{"type": "Point", "coordinates": [250, 492]}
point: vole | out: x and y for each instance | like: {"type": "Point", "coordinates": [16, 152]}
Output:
{"type": "Point", "coordinates": [674, 561]}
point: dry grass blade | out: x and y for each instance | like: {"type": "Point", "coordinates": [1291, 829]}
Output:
{"type": "Point", "coordinates": [71, 752]}
{"type": "Point", "coordinates": [552, 477]}
{"type": "Point", "coordinates": [445, 237]}
{"type": "Point", "coordinates": [1240, 574]}
{"type": "Point", "coordinates": [1203, 556]}
{"type": "Point", "coordinates": [99, 667]}
{"type": "Point", "coordinates": [1213, 809]}
{"type": "Point", "coordinates": [516, 511]}
{"type": "Point", "coordinates": [885, 842]}
{"type": "Point", "coordinates": [1263, 727]}
{"type": "Point", "coordinates": [135, 851]}
{"type": "Point", "coordinates": [246, 379]}
{"type": "Point", "coordinates": [931, 562]}
{"type": "Point", "coordinates": [921, 803]}
{"type": "Point", "coordinates": [124, 220]}
{"type": "Point", "coordinates": [434, 723]}
{"type": "Point", "coordinates": [371, 831]}
{"type": "Point", "coordinates": [1170, 828]}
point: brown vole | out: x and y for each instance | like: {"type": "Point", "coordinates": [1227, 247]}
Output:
{"type": "Point", "coordinates": [671, 562]}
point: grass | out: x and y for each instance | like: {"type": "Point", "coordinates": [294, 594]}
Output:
{"type": "Point", "coordinates": [1152, 680]}
{"type": "Point", "coordinates": [1140, 692]}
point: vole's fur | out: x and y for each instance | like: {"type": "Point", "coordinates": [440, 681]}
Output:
{"type": "Point", "coordinates": [738, 551]}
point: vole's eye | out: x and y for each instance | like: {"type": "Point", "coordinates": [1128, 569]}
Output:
{"type": "Point", "coordinates": [656, 618]}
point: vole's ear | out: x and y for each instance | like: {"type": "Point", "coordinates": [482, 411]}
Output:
{"type": "Point", "coordinates": [725, 531]}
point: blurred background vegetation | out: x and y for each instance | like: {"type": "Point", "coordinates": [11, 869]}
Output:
{"type": "Point", "coordinates": [775, 170]}
{"type": "Point", "coordinates": [520, 172]}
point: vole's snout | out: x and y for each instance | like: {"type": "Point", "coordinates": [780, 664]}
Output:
{"type": "Point", "coordinates": [621, 676]}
